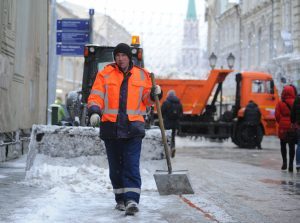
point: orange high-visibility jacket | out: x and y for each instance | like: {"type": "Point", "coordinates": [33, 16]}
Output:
{"type": "Point", "coordinates": [105, 93]}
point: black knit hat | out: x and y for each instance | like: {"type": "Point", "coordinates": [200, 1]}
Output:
{"type": "Point", "coordinates": [123, 48]}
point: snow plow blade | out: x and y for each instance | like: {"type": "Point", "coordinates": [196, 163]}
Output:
{"type": "Point", "coordinates": [71, 142]}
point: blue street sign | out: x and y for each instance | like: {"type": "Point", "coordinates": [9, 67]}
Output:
{"type": "Point", "coordinates": [73, 25]}
{"type": "Point", "coordinates": [69, 49]}
{"type": "Point", "coordinates": [72, 37]}
{"type": "Point", "coordinates": [91, 12]}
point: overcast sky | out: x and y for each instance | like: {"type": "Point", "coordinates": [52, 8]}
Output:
{"type": "Point", "coordinates": [158, 22]}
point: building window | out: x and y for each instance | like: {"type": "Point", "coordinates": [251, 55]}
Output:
{"type": "Point", "coordinates": [271, 49]}
{"type": "Point", "coordinates": [287, 16]}
{"type": "Point", "coordinates": [69, 72]}
{"type": "Point", "coordinates": [32, 94]}
{"type": "Point", "coordinates": [249, 49]}
{"type": "Point", "coordinates": [259, 51]}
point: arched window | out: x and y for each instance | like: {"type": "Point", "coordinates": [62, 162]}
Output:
{"type": "Point", "coordinates": [287, 15]}
{"type": "Point", "coordinates": [69, 72]}
{"type": "Point", "coordinates": [271, 49]}
{"type": "Point", "coordinates": [249, 50]}
{"type": "Point", "coordinates": [259, 46]}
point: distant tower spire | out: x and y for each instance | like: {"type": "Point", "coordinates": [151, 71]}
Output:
{"type": "Point", "coordinates": [190, 50]}
{"type": "Point", "coordinates": [191, 12]}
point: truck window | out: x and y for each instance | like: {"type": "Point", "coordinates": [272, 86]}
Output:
{"type": "Point", "coordinates": [101, 65]}
{"type": "Point", "coordinates": [269, 87]}
{"type": "Point", "coordinates": [257, 86]}
{"type": "Point", "coordinates": [104, 57]}
{"type": "Point", "coordinates": [262, 86]}
{"type": "Point", "coordinates": [136, 62]}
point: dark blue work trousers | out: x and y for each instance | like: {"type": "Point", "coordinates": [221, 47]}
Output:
{"type": "Point", "coordinates": [124, 167]}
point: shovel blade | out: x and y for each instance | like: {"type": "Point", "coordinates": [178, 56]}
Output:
{"type": "Point", "coordinates": [175, 183]}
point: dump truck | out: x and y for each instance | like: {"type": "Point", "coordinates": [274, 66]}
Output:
{"type": "Point", "coordinates": [206, 114]}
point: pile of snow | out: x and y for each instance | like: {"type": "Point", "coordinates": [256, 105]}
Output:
{"type": "Point", "coordinates": [71, 142]}
{"type": "Point", "coordinates": [74, 159]}
{"type": "Point", "coordinates": [79, 190]}
{"type": "Point", "coordinates": [82, 174]}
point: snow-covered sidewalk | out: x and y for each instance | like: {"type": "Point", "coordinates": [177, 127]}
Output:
{"type": "Point", "coordinates": [79, 190]}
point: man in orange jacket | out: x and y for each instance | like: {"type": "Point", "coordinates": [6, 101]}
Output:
{"type": "Point", "coordinates": [120, 94]}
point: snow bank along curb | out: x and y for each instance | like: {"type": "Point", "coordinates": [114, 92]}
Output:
{"type": "Point", "coordinates": [71, 142]}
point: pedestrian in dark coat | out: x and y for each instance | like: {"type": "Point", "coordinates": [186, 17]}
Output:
{"type": "Point", "coordinates": [283, 118]}
{"type": "Point", "coordinates": [295, 119]}
{"type": "Point", "coordinates": [252, 118]}
{"type": "Point", "coordinates": [172, 111]}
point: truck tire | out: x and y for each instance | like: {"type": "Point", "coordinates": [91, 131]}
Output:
{"type": "Point", "coordinates": [233, 134]}
{"type": "Point", "coordinates": [244, 137]}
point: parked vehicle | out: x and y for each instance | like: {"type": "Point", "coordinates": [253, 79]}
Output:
{"type": "Point", "coordinates": [200, 99]}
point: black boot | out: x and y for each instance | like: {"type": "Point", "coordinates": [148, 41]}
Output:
{"type": "Point", "coordinates": [292, 156]}
{"type": "Point", "coordinates": [283, 154]}
{"type": "Point", "coordinates": [284, 165]}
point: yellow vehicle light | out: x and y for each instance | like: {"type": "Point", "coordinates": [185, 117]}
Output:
{"type": "Point", "coordinates": [135, 40]}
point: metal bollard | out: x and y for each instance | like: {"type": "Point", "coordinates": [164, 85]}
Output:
{"type": "Point", "coordinates": [54, 114]}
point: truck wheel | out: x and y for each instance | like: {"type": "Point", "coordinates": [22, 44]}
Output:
{"type": "Point", "coordinates": [245, 137]}
{"type": "Point", "coordinates": [234, 138]}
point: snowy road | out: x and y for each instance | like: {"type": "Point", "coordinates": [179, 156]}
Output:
{"type": "Point", "coordinates": [231, 185]}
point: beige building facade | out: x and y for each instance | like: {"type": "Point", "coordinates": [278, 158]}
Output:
{"type": "Point", "coordinates": [263, 35]}
{"type": "Point", "coordinates": [23, 65]}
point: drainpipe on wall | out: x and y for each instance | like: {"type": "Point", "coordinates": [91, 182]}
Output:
{"type": "Point", "coordinates": [272, 30]}
{"type": "Point", "coordinates": [52, 57]}
{"type": "Point", "coordinates": [238, 11]}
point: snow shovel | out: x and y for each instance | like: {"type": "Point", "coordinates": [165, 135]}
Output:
{"type": "Point", "coordinates": [169, 182]}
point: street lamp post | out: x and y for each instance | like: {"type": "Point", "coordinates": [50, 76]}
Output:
{"type": "Point", "coordinates": [212, 60]}
{"type": "Point", "coordinates": [230, 60]}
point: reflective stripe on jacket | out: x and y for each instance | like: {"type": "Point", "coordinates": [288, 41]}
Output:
{"type": "Point", "coordinates": [105, 93]}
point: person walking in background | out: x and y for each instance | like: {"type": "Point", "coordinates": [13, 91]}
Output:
{"type": "Point", "coordinates": [61, 111]}
{"type": "Point", "coordinates": [252, 118]}
{"type": "Point", "coordinates": [119, 97]}
{"type": "Point", "coordinates": [295, 119]}
{"type": "Point", "coordinates": [283, 118]}
{"type": "Point", "coordinates": [172, 111]}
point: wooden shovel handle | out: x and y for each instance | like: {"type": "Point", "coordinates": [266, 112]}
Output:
{"type": "Point", "coordinates": [162, 128]}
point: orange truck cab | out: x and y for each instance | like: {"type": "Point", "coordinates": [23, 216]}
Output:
{"type": "Point", "coordinates": [206, 114]}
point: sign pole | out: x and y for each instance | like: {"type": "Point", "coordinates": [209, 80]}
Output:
{"type": "Point", "coordinates": [91, 13]}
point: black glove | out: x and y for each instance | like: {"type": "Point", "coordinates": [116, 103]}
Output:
{"type": "Point", "coordinates": [156, 91]}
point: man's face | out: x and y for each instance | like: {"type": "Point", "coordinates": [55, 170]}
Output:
{"type": "Point", "coordinates": [122, 60]}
